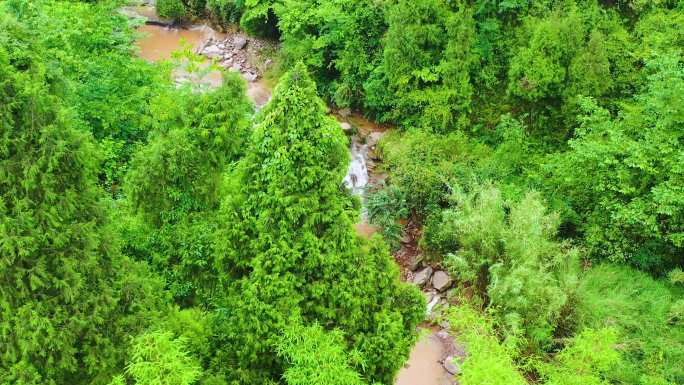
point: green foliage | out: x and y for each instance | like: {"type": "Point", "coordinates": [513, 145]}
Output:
{"type": "Point", "coordinates": [68, 297]}
{"type": "Point", "coordinates": [427, 61]}
{"type": "Point", "coordinates": [640, 309]}
{"type": "Point", "coordinates": [424, 166]}
{"type": "Point", "coordinates": [589, 355]}
{"type": "Point", "coordinates": [225, 12]}
{"type": "Point", "coordinates": [174, 183]}
{"type": "Point", "coordinates": [316, 357]}
{"type": "Point", "coordinates": [385, 208]}
{"type": "Point", "coordinates": [156, 358]}
{"type": "Point", "coordinates": [172, 9]}
{"type": "Point", "coordinates": [259, 18]}
{"type": "Point", "coordinates": [622, 177]}
{"type": "Point", "coordinates": [287, 248]}
{"type": "Point", "coordinates": [509, 253]}
{"type": "Point", "coordinates": [90, 46]}
{"type": "Point", "coordinates": [487, 361]}
{"type": "Point", "coordinates": [338, 40]}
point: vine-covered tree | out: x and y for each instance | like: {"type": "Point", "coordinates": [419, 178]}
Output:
{"type": "Point", "coordinates": [289, 249]}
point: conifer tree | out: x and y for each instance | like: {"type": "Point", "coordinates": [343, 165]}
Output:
{"type": "Point", "coordinates": [62, 303]}
{"type": "Point", "coordinates": [289, 249]}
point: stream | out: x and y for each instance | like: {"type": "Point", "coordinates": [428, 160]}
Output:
{"type": "Point", "coordinates": [158, 42]}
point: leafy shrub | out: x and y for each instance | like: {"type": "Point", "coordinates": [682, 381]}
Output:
{"type": "Point", "coordinates": [585, 360]}
{"type": "Point", "coordinates": [385, 208]}
{"type": "Point", "coordinates": [425, 167]}
{"type": "Point", "coordinates": [196, 8]}
{"type": "Point", "coordinates": [174, 183]}
{"type": "Point", "coordinates": [226, 11]}
{"type": "Point", "coordinates": [171, 9]}
{"type": "Point", "coordinates": [316, 357]}
{"type": "Point", "coordinates": [509, 252]}
{"type": "Point", "coordinates": [427, 60]}
{"type": "Point", "coordinates": [68, 296]}
{"type": "Point", "coordinates": [159, 358]}
{"type": "Point", "coordinates": [622, 177]}
{"type": "Point", "coordinates": [487, 361]}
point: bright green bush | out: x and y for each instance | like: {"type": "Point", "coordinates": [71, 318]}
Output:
{"type": "Point", "coordinates": [316, 357]}
{"type": "Point", "coordinates": [487, 360]}
{"type": "Point", "coordinates": [226, 11]}
{"type": "Point", "coordinates": [69, 298]}
{"type": "Point", "coordinates": [428, 55]}
{"type": "Point", "coordinates": [509, 252]}
{"type": "Point", "coordinates": [157, 357]}
{"type": "Point", "coordinates": [174, 183]}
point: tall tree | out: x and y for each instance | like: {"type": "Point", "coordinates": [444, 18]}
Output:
{"type": "Point", "coordinates": [174, 182]}
{"type": "Point", "coordinates": [289, 249]}
{"type": "Point", "coordinates": [63, 306]}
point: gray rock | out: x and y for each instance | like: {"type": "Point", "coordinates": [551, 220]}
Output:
{"type": "Point", "coordinates": [451, 366]}
{"type": "Point", "coordinates": [416, 262]}
{"type": "Point", "coordinates": [441, 280]}
{"type": "Point", "coordinates": [345, 112]}
{"type": "Point", "coordinates": [422, 277]}
{"type": "Point", "coordinates": [236, 67]}
{"type": "Point", "coordinates": [211, 51]}
{"type": "Point", "coordinates": [250, 77]}
{"type": "Point", "coordinates": [431, 305]}
{"type": "Point", "coordinates": [239, 42]}
{"type": "Point", "coordinates": [346, 126]}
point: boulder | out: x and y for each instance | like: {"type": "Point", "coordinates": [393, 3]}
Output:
{"type": "Point", "coordinates": [451, 366]}
{"type": "Point", "coordinates": [211, 51]}
{"type": "Point", "coordinates": [431, 305]}
{"type": "Point", "coordinates": [423, 276]}
{"type": "Point", "coordinates": [441, 280]}
{"type": "Point", "coordinates": [416, 262]}
{"type": "Point", "coordinates": [239, 42]}
{"type": "Point", "coordinates": [250, 77]}
{"type": "Point", "coordinates": [346, 126]}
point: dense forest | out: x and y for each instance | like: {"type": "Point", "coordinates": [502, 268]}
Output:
{"type": "Point", "coordinates": [156, 233]}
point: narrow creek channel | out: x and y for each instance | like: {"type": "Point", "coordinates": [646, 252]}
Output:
{"type": "Point", "coordinates": [158, 42]}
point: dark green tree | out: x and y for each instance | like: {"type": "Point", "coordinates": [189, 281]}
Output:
{"type": "Point", "coordinates": [622, 178]}
{"type": "Point", "coordinates": [288, 248]}
{"type": "Point", "coordinates": [428, 56]}
{"type": "Point", "coordinates": [67, 297]}
{"type": "Point", "coordinates": [174, 182]}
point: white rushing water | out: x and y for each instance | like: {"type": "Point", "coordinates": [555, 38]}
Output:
{"type": "Point", "coordinates": [357, 173]}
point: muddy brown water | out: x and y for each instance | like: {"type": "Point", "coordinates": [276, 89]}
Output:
{"type": "Point", "coordinates": [158, 43]}
{"type": "Point", "coordinates": [424, 366]}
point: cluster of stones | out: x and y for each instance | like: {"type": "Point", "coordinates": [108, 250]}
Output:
{"type": "Point", "coordinates": [231, 53]}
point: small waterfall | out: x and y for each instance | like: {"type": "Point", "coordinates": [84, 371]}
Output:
{"type": "Point", "coordinates": [357, 174]}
